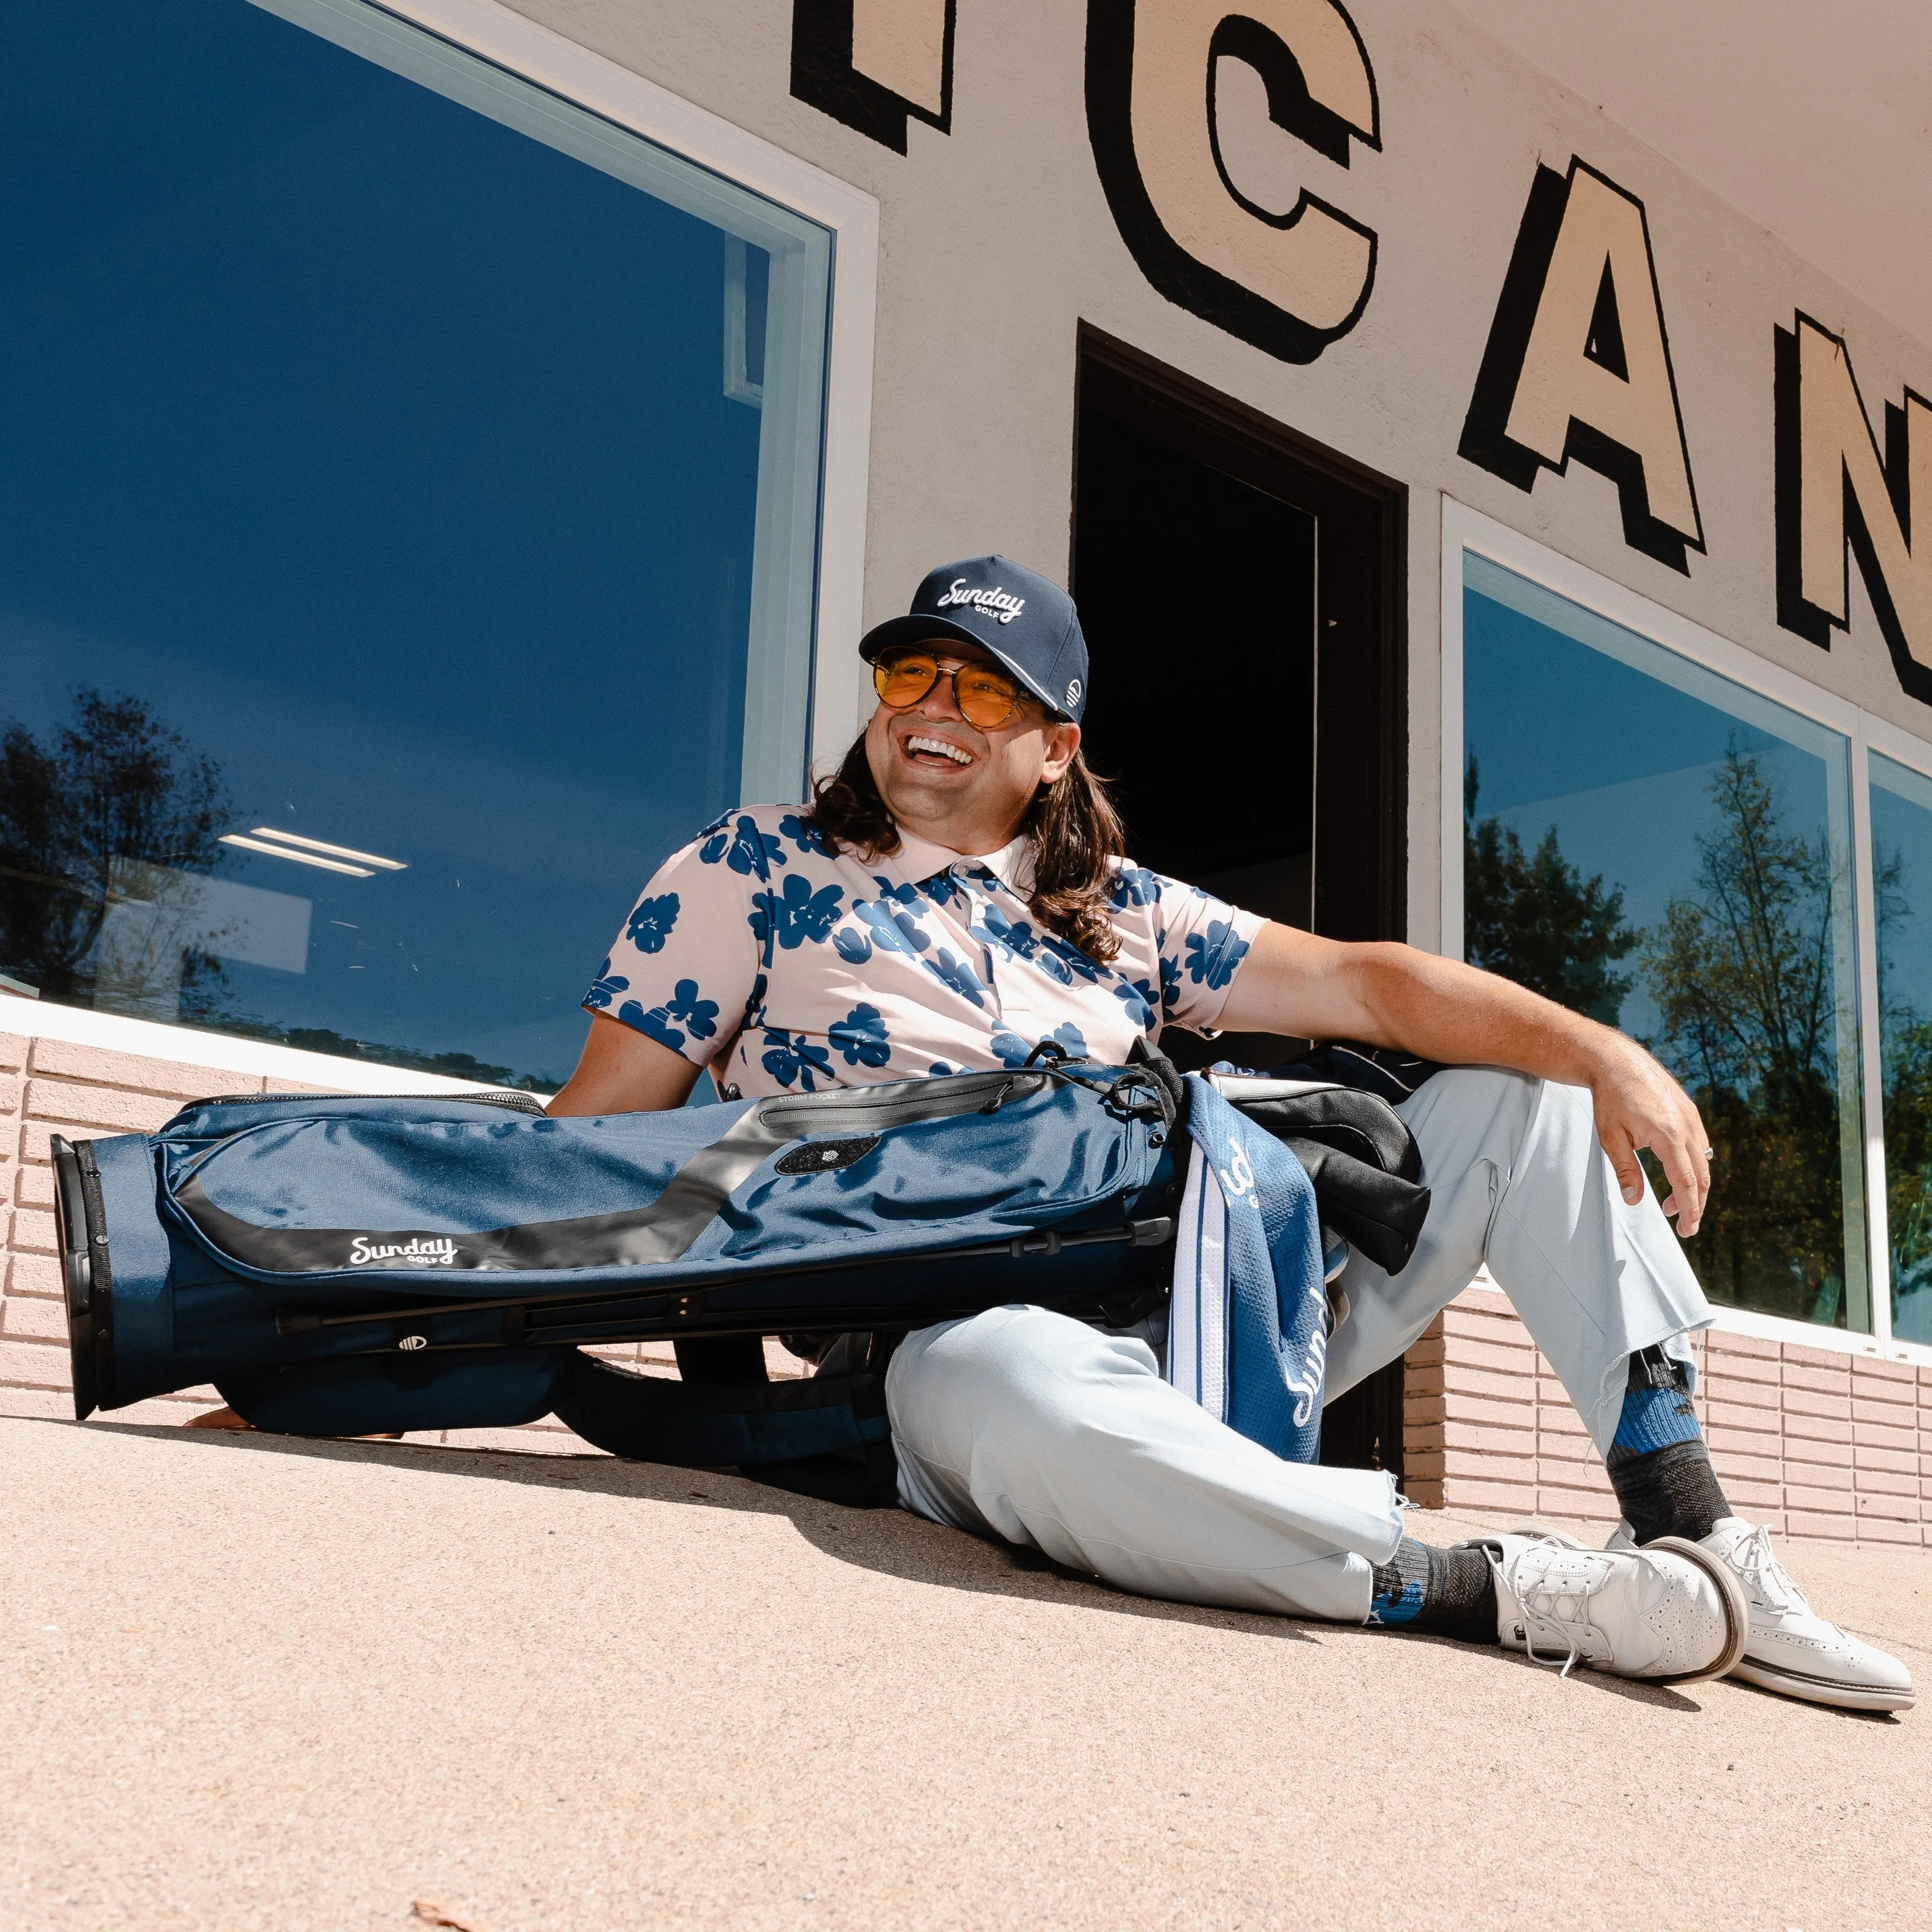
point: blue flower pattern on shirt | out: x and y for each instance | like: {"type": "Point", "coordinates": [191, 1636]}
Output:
{"type": "Point", "coordinates": [957, 974]}
{"type": "Point", "coordinates": [1140, 999]}
{"type": "Point", "coordinates": [721, 960]}
{"type": "Point", "coordinates": [700, 1016]}
{"type": "Point", "coordinates": [804, 833]}
{"type": "Point", "coordinates": [605, 987]}
{"type": "Point", "coordinates": [1013, 1051]}
{"type": "Point", "coordinates": [1211, 959]}
{"type": "Point", "coordinates": [650, 923]}
{"type": "Point", "coordinates": [790, 1056]}
{"type": "Point", "coordinates": [796, 914]}
{"type": "Point", "coordinates": [745, 850]}
{"type": "Point", "coordinates": [861, 1037]}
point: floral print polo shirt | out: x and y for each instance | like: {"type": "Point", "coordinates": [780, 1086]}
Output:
{"type": "Point", "coordinates": [786, 966]}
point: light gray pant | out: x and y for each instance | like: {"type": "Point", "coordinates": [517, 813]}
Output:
{"type": "Point", "coordinates": [1027, 1425]}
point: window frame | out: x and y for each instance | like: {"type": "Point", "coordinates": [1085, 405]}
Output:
{"type": "Point", "coordinates": [1466, 531]}
{"type": "Point", "coordinates": [489, 31]}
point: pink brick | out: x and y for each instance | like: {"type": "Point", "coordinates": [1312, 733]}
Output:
{"type": "Point", "coordinates": [1816, 1402]}
{"type": "Point", "coordinates": [1870, 1457]}
{"type": "Point", "coordinates": [1895, 1508]}
{"type": "Point", "coordinates": [1558, 1418]}
{"type": "Point", "coordinates": [1899, 1415]}
{"type": "Point", "coordinates": [33, 1136]}
{"type": "Point", "coordinates": [1817, 1495]}
{"type": "Point", "coordinates": [1497, 1415]}
{"type": "Point", "coordinates": [1573, 1478]}
{"type": "Point", "coordinates": [36, 1404]}
{"type": "Point", "coordinates": [1468, 1353]}
{"type": "Point", "coordinates": [1461, 1492]}
{"type": "Point", "coordinates": [33, 1364]}
{"type": "Point", "coordinates": [111, 1109]}
{"type": "Point", "coordinates": [1477, 1303]}
{"type": "Point", "coordinates": [1489, 1442]}
{"type": "Point", "coordinates": [1749, 1428]}
{"type": "Point", "coordinates": [1800, 1451]}
{"type": "Point", "coordinates": [1754, 1499]}
{"type": "Point", "coordinates": [1881, 1529]}
{"type": "Point", "coordinates": [1459, 1380]}
{"type": "Point", "coordinates": [1723, 1342]}
{"type": "Point", "coordinates": [1877, 1367]}
{"type": "Point", "coordinates": [1796, 1427]}
{"type": "Point", "coordinates": [9, 1093]}
{"type": "Point", "coordinates": [1726, 1369]}
{"type": "Point", "coordinates": [45, 1320]}
{"type": "Point", "coordinates": [33, 1233]}
{"type": "Point", "coordinates": [34, 1274]}
{"type": "Point", "coordinates": [13, 1050]}
{"type": "Point", "coordinates": [1732, 1467]}
{"type": "Point", "coordinates": [1887, 1483]}
{"type": "Point", "coordinates": [1825, 1527]}
{"type": "Point", "coordinates": [1881, 1435]}
{"type": "Point", "coordinates": [33, 1186]}
{"type": "Point", "coordinates": [69, 1059]}
{"type": "Point", "coordinates": [1566, 1452]}
{"type": "Point", "coordinates": [1826, 1381]}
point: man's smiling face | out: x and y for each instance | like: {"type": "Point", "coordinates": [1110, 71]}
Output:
{"type": "Point", "coordinates": [950, 781]}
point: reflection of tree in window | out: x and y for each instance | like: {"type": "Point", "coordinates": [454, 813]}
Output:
{"type": "Point", "coordinates": [1907, 1035]}
{"type": "Point", "coordinates": [112, 793]}
{"type": "Point", "coordinates": [1532, 917]}
{"type": "Point", "coordinates": [1742, 975]}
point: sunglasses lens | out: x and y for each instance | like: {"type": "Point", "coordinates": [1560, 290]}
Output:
{"type": "Point", "coordinates": [985, 698]}
{"type": "Point", "coordinates": [901, 682]}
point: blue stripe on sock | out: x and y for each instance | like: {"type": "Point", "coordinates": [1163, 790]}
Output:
{"type": "Point", "coordinates": [1654, 1418]}
{"type": "Point", "coordinates": [1403, 1607]}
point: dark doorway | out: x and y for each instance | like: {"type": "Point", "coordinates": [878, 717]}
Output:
{"type": "Point", "coordinates": [1241, 589]}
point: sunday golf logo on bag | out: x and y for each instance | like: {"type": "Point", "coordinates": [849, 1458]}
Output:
{"type": "Point", "coordinates": [1247, 1334]}
{"type": "Point", "coordinates": [366, 1251]}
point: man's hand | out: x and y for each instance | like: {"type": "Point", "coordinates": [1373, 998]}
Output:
{"type": "Point", "coordinates": [1388, 995]}
{"type": "Point", "coordinates": [1639, 1105]}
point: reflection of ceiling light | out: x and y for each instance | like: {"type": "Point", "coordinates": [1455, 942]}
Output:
{"type": "Point", "coordinates": [345, 859]}
{"type": "Point", "coordinates": [333, 851]}
{"type": "Point", "coordinates": [300, 858]}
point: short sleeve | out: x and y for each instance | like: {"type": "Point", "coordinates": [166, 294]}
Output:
{"type": "Point", "coordinates": [684, 968]}
{"type": "Point", "coordinates": [1202, 941]}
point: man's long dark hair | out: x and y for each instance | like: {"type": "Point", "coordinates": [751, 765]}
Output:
{"type": "Point", "coordinates": [1072, 823]}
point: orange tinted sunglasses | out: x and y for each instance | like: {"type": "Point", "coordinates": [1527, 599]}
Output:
{"type": "Point", "coordinates": [987, 698]}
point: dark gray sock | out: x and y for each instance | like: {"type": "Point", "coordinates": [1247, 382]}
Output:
{"type": "Point", "coordinates": [1658, 1464]}
{"type": "Point", "coordinates": [1441, 1592]}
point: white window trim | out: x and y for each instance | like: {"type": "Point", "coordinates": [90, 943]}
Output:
{"type": "Point", "coordinates": [1465, 529]}
{"type": "Point", "coordinates": [539, 54]}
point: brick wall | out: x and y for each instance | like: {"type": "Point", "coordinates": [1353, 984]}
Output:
{"type": "Point", "coordinates": [1815, 1442]}
{"type": "Point", "coordinates": [55, 1086]}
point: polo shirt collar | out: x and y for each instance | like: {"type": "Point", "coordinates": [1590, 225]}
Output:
{"type": "Point", "coordinates": [918, 859]}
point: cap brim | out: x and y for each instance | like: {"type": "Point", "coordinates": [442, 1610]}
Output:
{"type": "Point", "coordinates": [898, 631]}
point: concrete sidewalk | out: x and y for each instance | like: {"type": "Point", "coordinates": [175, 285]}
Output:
{"type": "Point", "coordinates": [253, 1682]}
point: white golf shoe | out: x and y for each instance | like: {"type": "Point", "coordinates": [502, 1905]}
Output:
{"type": "Point", "coordinates": [1670, 1612]}
{"type": "Point", "coordinates": [1791, 1648]}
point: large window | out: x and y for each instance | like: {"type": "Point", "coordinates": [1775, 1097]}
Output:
{"type": "Point", "coordinates": [409, 501]}
{"type": "Point", "coordinates": [1901, 816]}
{"type": "Point", "coordinates": [1671, 853]}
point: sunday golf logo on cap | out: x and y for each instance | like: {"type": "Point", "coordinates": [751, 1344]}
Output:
{"type": "Point", "coordinates": [998, 602]}
{"type": "Point", "coordinates": [1024, 620]}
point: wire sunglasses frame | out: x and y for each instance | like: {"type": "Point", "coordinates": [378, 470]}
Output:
{"type": "Point", "coordinates": [987, 698]}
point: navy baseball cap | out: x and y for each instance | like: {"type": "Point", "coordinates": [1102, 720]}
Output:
{"type": "Point", "coordinates": [1028, 623]}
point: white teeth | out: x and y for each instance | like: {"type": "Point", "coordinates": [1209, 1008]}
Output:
{"type": "Point", "coordinates": [940, 745]}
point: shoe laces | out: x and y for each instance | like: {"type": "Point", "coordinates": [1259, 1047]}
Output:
{"type": "Point", "coordinates": [1758, 1567]}
{"type": "Point", "coordinates": [1587, 1581]}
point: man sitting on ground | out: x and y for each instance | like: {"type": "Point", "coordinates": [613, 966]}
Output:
{"type": "Point", "coordinates": [957, 894]}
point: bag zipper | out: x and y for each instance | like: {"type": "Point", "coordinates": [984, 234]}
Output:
{"type": "Point", "coordinates": [510, 1099]}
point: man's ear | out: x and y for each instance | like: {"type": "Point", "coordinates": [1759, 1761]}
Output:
{"type": "Point", "coordinates": [1063, 741]}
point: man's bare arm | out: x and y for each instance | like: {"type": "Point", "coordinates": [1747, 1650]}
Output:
{"type": "Point", "coordinates": [621, 1071]}
{"type": "Point", "coordinates": [1390, 995]}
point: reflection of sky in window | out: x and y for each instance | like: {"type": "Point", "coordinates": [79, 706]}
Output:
{"type": "Point", "coordinates": [385, 452]}
{"type": "Point", "coordinates": [1619, 763]}
{"type": "Point", "coordinates": [1901, 811]}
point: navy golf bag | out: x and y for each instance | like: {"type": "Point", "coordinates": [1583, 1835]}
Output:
{"type": "Point", "coordinates": [353, 1266]}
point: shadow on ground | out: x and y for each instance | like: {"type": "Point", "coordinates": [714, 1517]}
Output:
{"type": "Point", "coordinates": [889, 1541]}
